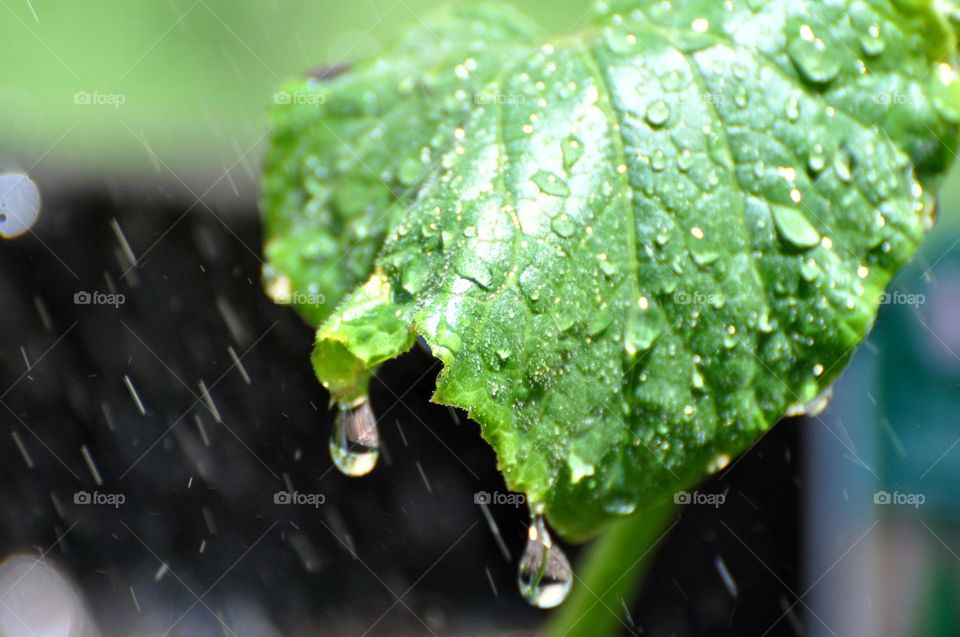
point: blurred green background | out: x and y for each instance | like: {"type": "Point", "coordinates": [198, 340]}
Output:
{"type": "Point", "coordinates": [171, 91]}
{"type": "Point", "coordinates": [139, 89]}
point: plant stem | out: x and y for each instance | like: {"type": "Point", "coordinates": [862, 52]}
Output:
{"type": "Point", "coordinates": [611, 572]}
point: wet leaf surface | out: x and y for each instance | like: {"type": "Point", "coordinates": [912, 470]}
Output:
{"type": "Point", "coordinates": [635, 247]}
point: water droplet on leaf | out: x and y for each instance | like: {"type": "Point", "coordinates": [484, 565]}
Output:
{"type": "Point", "coordinates": [793, 108]}
{"type": "Point", "coordinates": [843, 165]}
{"type": "Point", "coordinates": [815, 62]}
{"type": "Point", "coordinates": [817, 160]}
{"type": "Point", "coordinates": [563, 226]}
{"type": "Point", "coordinates": [794, 227]}
{"type": "Point", "coordinates": [640, 331]}
{"type": "Point", "coordinates": [409, 171]}
{"type": "Point", "coordinates": [658, 113]}
{"type": "Point", "coordinates": [474, 269]}
{"type": "Point", "coordinates": [872, 43]}
{"type": "Point", "coordinates": [740, 97]}
{"type": "Point", "coordinates": [572, 149]}
{"type": "Point", "coordinates": [550, 184]}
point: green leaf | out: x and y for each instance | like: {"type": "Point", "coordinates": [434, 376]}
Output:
{"type": "Point", "coordinates": [635, 247]}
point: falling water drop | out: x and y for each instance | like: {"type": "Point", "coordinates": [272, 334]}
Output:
{"type": "Point", "coordinates": [545, 576]}
{"type": "Point", "coordinates": [355, 440]}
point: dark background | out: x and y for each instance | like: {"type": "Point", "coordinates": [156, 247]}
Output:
{"type": "Point", "coordinates": [411, 529]}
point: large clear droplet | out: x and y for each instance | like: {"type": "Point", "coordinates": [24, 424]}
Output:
{"type": "Point", "coordinates": [355, 439]}
{"type": "Point", "coordinates": [545, 576]}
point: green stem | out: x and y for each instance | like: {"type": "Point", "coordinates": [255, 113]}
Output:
{"type": "Point", "coordinates": [612, 571]}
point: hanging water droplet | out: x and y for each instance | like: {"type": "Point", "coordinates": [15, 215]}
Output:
{"type": "Point", "coordinates": [684, 160]}
{"type": "Point", "coordinates": [355, 439]}
{"type": "Point", "coordinates": [544, 576]}
{"type": "Point", "coordinates": [658, 113]}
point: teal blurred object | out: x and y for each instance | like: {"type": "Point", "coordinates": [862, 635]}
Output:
{"type": "Point", "coordinates": [939, 617]}
{"type": "Point", "coordinates": [163, 91]}
{"type": "Point", "coordinates": [918, 389]}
